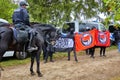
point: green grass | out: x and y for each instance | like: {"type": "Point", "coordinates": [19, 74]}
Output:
{"type": "Point", "coordinates": [115, 78]}
{"type": "Point", "coordinates": [13, 62]}
{"type": "Point", "coordinates": [59, 55]}
{"type": "Point", "coordinates": [112, 47]}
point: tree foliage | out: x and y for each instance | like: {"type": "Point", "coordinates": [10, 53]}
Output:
{"type": "Point", "coordinates": [113, 8]}
{"type": "Point", "coordinates": [58, 11]}
{"type": "Point", "coordinates": [6, 9]}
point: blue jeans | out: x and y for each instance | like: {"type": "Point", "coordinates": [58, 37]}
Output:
{"type": "Point", "coordinates": [119, 46]}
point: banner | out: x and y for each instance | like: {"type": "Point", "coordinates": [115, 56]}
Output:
{"type": "Point", "coordinates": [91, 38]}
{"type": "Point", "coordinates": [102, 38]}
{"type": "Point", "coordinates": [85, 40]}
{"type": "Point", "coordinates": [63, 44]}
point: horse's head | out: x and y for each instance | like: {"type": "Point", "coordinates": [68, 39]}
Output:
{"type": "Point", "coordinates": [50, 32]}
{"type": "Point", "coordinates": [53, 33]}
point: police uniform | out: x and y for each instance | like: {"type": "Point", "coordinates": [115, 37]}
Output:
{"type": "Point", "coordinates": [21, 20]}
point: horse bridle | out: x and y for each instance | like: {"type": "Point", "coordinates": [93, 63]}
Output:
{"type": "Point", "coordinates": [52, 41]}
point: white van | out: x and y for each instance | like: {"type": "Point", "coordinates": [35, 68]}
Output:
{"type": "Point", "coordinates": [82, 26]}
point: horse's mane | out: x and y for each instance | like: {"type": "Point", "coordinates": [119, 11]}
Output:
{"type": "Point", "coordinates": [6, 25]}
{"type": "Point", "coordinates": [42, 25]}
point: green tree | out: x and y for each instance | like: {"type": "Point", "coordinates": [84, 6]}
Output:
{"type": "Point", "coordinates": [6, 9]}
{"type": "Point", "coordinates": [58, 11]}
{"type": "Point", "coordinates": [113, 8]}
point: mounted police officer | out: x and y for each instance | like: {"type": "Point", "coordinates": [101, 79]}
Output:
{"type": "Point", "coordinates": [21, 21]}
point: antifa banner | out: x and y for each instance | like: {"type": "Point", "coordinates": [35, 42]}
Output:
{"type": "Point", "coordinates": [91, 38]}
{"type": "Point", "coordinates": [63, 44]}
{"type": "Point", "coordinates": [102, 38]}
{"type": "Point", "coordinates": [85, 40]}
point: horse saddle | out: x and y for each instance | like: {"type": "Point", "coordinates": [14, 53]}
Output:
{"type": "Point", "coordinates": [20, 35]}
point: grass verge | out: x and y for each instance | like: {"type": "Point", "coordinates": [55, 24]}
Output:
{"type": "Point", "coordinates": [59, 55]}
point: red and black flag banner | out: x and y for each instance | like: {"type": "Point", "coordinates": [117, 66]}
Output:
{"type": "Point", "coordinates": [85, 40]}
{"type": "Point", "coordinates": [91, 38]}
{"type": "Point", "coordinates": [102, 38]}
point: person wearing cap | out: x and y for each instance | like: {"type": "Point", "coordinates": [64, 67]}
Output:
{"type": "Point", "coordinates": [21, 15]}
{"type": "Point", "coordinates": [20, 19]}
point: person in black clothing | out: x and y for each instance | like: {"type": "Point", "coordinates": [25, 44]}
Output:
{"type": "Point", "coordinates": [116, 34]}
{"type": "Point", "coordinates": [20, 19]}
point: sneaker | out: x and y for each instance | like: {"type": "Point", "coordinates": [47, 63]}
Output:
{"type": "Point", "coordinates": [32, 49]}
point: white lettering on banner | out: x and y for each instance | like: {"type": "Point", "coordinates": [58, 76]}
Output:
{"type": "Point", "coordinates": [64, 43]}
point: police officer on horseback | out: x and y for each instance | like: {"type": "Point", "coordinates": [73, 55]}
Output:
{"type": "Point", "coordinates": [21, 20]}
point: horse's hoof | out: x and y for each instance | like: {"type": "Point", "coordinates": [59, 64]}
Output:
{"type": "Point", "coordinates": [76, 60]}
{"type": "Point", "coordinates": [40, 75]}
{"type": "Point", "coordinates": [45, 61]}
{"type": "Point", "coordinates": [32, 73]}
{"type": "Point", "coordinates": [1, 69]}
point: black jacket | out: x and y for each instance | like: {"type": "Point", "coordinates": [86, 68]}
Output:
{"type": "Point", "coordinates": [117, 35]}
{"type": "Point", "coordinates": [21, 15]}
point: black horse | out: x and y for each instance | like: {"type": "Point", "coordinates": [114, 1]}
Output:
{"type": "Point", "coordinates": [49, 48]}
{"type": "Point", "coordinates": [47, 30]}
{"type": "Point", "coordinates": [7, 39]}
{"type": "Point", "coordinates": [50, 34]}
{"type": "Point", "coordinates": [6, 43]}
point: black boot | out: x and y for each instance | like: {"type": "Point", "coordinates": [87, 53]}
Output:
{"type": "Point", "coordinates": [30, 47]}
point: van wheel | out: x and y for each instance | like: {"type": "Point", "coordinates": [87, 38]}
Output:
{"type": "Point", "coordinates": [21, 55]}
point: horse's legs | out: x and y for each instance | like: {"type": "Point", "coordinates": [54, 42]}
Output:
{"type": "Point", "coordinates": [44, 52]}
{"type": "Point", "coordinates": [1, 55]}
{"type": "Point", "coordinates": [38, 64]}
{"type": "Point", "coordinates": [46, 57]}
{"type": "Point", "coordinates": [32, 62]}
{"type": "Point", "coordinates": [1, 68]}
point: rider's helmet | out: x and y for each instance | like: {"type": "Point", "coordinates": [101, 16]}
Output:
{"type": "Point", "coordinates": [22, 3]}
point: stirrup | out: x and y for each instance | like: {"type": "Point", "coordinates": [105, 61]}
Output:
{"type": "Point", "coordinates": [32, 49]}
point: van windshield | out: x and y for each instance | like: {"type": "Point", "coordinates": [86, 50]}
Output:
{"type": "Point", "coordinates": [67, 26]}
{"type": "Point", "coordinates": [87, 26]}
{"type": "Point", "coordinates": [102, 28]}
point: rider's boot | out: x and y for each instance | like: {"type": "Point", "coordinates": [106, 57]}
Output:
{"type": "Point", "coordinates": [30, 47]}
